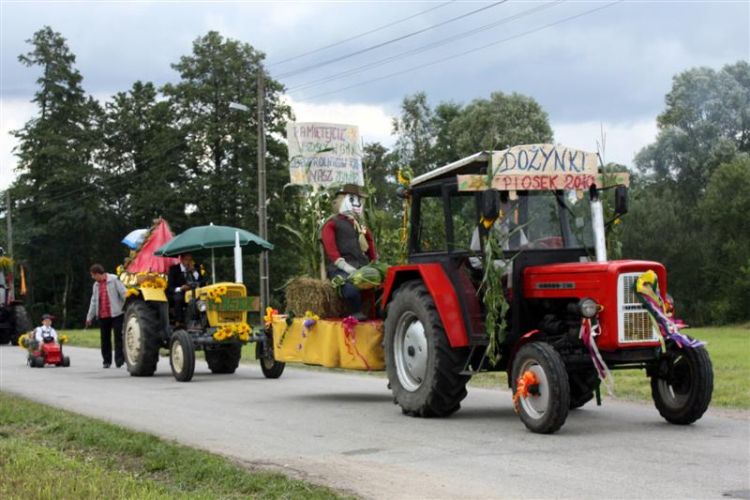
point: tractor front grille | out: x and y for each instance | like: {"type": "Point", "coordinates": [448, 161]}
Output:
{"type": "Point", "coordinates": [634, 323]}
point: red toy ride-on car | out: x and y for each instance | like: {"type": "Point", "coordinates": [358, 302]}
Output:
{"type": "Point", "coordinates": [47, 352]}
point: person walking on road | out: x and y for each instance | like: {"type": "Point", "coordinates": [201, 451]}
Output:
{"type": "Point", "coordinates": [107, 300]}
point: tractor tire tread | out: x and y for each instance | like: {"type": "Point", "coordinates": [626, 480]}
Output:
{"type": "Point", "coordinates": [699, 399]}
{"type": "Point", "coordinates": [224, 359]}
{"type": "Point", "coordinates": [448, 386]}
{"type": "Point", "coordinates": [148, 318]}
{"type": "Point", "coordinates": [557, 375]}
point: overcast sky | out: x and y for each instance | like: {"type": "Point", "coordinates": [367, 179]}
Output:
{"type": "Point", "coordinates": [590, 64]}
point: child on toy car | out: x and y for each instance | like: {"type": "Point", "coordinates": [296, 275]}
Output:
{"type": "Point", "coordinates": [45, 333]}
{"type": "Point", "coordinates": [44, 348]}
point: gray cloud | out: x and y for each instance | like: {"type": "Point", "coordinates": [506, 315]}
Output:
{"type": "Point", "coordinates": [615, 64]}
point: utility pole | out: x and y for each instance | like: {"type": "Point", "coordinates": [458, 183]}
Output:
{"type": "Point", "coordinates": [9, 222]}
{"type": "Point", "coordinates": [262, 217]}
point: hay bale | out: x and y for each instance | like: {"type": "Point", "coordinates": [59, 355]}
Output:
{"type": "Point", "coordinates": [308, 294]}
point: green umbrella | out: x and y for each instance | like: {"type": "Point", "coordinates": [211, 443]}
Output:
{"type": "Point", "coordinates": [210, 237]}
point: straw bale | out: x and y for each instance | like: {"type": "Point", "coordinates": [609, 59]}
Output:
{"type": "Point", "coordinates": [308, 294]}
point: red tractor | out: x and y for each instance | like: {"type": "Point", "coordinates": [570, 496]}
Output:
{"type": "Point", "coordinates": [572, 315]}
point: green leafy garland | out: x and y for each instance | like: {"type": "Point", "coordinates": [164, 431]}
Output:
{"type": "Point", "coordinates": [494, 299]}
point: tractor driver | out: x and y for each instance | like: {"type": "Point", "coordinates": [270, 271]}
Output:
{"type": "Point", "coordinates": [181, 278]}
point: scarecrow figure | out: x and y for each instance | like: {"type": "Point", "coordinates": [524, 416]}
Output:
{"type": "Point", "coordinates": [348, 243]}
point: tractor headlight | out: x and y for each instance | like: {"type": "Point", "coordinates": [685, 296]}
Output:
{"type": "Point", "coordinates": [588, 308]}
{"type": "Point", "coordinates": [202, 306]}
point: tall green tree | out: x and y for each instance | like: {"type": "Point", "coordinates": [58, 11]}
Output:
{"type": "Point", "coordinates": [58, 198]}
{"type": "Point", "coordinates": [685, 185]}
{"type": "Point", "coordinates": [724, 211]}
{"type": "Point", "coordinates": [141, 158]}
{"type": "Point", "coordinates": [415, 134]}
{"type": "Point", "coordinates": [221, 158]}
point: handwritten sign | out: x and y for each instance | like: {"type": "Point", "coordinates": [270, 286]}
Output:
{"type": "Point", "coordinates": [542, 182]}
{"type": "Point", "coordinates": [546, 159]}
{"type": "Point", "coordinates": [324, 154]}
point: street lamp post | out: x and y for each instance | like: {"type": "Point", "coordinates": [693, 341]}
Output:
{"type": "Point", "coordinates": [262, 217]}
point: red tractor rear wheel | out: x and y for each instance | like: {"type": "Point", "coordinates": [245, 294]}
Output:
{"type": "Point", "coordinates": [424, 371]}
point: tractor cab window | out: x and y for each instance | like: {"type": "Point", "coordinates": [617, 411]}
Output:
{"type": "Point", "coordinates": [464, 219]}
{"type": "Point", "coordinates": [431, 235]}
{"type": "Point", "coordinates": [545, 220]}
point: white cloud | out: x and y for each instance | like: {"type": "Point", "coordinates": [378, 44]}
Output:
{"type": "Point", "coordinates": [374, 121]}
{"type": "Point", "coordinates": [14, 113]}
{"type": "Point", "coordinates": [622, 140]}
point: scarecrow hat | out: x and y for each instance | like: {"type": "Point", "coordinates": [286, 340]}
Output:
{"type": "Point", "coordinates": [352, 189]}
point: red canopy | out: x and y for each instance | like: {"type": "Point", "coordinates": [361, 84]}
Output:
{"type": "Point", "coordinates": [145, 260]}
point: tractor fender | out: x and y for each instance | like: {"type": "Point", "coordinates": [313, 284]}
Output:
{"type": "Point", "coordinates": [442, 291]}
{"type": "Point", "coordinates": [525, 339]}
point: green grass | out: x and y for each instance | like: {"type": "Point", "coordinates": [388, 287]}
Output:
{"type": "Point", "coordinates": [729, 348]}
{"type": "Point", "coordinates": [50, 453]}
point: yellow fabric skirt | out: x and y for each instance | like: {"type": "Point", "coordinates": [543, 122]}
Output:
{"type": "Point", "coordinates": [327, 343]}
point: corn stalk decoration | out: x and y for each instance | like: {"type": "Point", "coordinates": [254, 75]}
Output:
{"type": "Point", "coordinates": [312, 207]}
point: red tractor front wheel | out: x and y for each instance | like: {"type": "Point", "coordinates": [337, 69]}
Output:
{"type": "Point", "coordinates": [541, 392]}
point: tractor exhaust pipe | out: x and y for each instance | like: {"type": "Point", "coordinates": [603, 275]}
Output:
{"type": "Point", "coordinates": [597, 221]}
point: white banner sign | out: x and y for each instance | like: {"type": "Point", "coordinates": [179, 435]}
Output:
{"type": "Point", "coordinates": [324, 154]}
{"type": "Point", "coordinates": [544, 159]}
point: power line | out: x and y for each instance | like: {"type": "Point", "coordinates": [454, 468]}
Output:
{"type": "Point", "coordinates": [355, 37]}
{"type": "Point", "coordinates": [424, 48]}
{"type": "Point", "coordinates": [387, 42]}
{"type": "Point", "coordinates": [529, 32]}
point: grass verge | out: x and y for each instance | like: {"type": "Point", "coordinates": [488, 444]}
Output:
{"type": "Point", "coordinates": [50, 453]}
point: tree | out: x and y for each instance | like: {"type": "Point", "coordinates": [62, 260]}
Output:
{"type": "Point", "coordinates": [706, 123]}
{"type": "Point", "coordinates": [58, 199]}
{"type": "Point", "coordinates": [725, 210]}
{"type": "Point", "coordinates": [415, 134]}
{"type": "Point", "coordinates": [446, 148]}
{"type": "Point", "coordinates": [697, 162]}
{"type": "Point", "coordinates": [221, 165]}
{"type": "Point", "coordinates": [500, 122]}
{"type": "Point", "coordinates": [142, 158]}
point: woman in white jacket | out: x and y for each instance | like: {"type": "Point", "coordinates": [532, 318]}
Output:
{"type": "Point", "coordinates": [107, 301]}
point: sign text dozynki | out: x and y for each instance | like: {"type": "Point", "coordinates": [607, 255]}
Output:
{"type": "Point", "coordinates": [543, 159]}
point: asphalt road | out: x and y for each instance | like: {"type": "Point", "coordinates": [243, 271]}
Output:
{"type": "Point", "coordinates": [342, 430]}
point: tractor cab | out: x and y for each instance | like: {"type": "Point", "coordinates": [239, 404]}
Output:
{"type": "Point", "coordinates": [455, 210]}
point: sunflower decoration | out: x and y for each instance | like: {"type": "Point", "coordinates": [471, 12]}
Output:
{"type": "Point", "coordinates": [240, 331]}
{"type": "Point", "coordinates": [215, 294]}
{"type": "Point", "coordinates": [63, 339]}
{"type": "Point", "coordinates": [154, 281]}
{"type": "Point", "coordinates": [6, 264]}
{"type": "Point", "coordinates": [270, 313]}
{"type": "Point", "coordinates": [132, 292]}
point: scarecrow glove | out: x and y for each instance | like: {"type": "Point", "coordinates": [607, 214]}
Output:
{"type": "Point", "coordinates": [344, 266]}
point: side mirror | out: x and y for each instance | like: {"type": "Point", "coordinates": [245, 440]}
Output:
{"type": "Point", "coordinates": [621, 200]}
{"type": "Point", "coordinates": [490, 204]}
